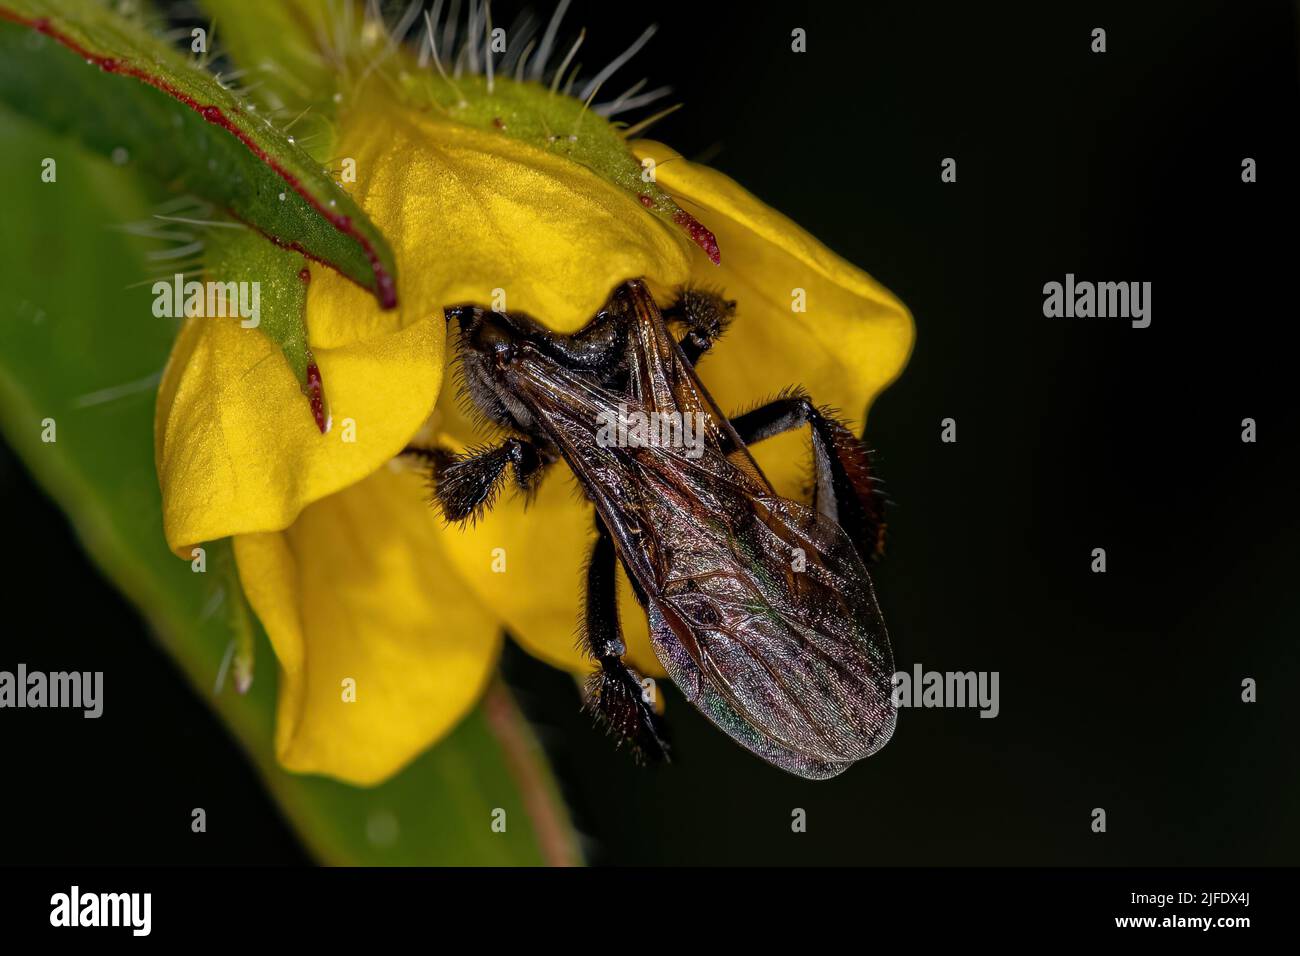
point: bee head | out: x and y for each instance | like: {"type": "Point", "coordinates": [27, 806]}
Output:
{"type": "Point", "coordinates": [493, 339]}
{"type": "Point", "coordinates": [493, 336]}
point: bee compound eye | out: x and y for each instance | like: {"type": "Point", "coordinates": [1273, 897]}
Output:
{"type": "Point", "coordinates": [491, 339]}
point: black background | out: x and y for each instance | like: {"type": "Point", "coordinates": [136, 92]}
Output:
{"type": "Point", "coordinates": [1119, 690]}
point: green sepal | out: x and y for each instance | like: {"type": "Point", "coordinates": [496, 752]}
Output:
{"type": "Point", "coordinates": [241, 255]}
{"type": "Point", "coordinates": [283, 49]}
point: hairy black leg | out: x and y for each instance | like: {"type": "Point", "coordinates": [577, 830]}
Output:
{"type": "Point", "coordinates": [845, 489]}
{"type": "Point", "coordinates": [614, 693]}
{"type": "Point", "coordinates": [705, 316]}
{"type": "Point", "coordinates": [466, 485]}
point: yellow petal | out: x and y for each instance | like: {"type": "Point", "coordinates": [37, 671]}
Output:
{"type": "Point", "coordinates": [852, 341]}
{"type": "Point", "coordinates": [472, 212]}
{"type": "Point", "coordinates": [358, 590]}
{"type": "Point", "coordinates": [529, 566]}
{"type": "Point", "coordinates": [546, 544]}
{"type": "Point", "coordinates": [237, 449]}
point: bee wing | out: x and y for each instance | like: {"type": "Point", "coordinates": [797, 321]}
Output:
{"type": "Point", "coordinates": [684, 672]}
{"type": "Point", "coordinates": [764, 616]}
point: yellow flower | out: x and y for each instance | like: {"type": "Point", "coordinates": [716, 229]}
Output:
{"type": "Point", "coordinates": [361, 587]}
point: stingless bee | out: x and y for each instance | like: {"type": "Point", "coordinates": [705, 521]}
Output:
{"type": "Point", "coordinates": [760, 608]}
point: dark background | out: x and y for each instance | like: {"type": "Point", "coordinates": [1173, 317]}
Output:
{"type": "Point", "coordinates": [1119, 690]}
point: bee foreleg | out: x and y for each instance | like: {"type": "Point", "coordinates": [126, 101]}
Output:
{"type": "Point", "coordinates": [466, 485]}
{"type": "Point", "coordinates": [845, 489]}
{"type": "Point", "coordinates": [704, 314]}
{"type": "Point", "coordinates": [613, 692]}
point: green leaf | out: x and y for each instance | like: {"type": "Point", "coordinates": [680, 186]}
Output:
{"type": "Point", "coordinates": [79, 346]}
{"type": "Point", "coordinates": [78, 68]}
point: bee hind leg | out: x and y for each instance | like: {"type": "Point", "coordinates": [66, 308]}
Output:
{"type": "Point", "coordinates": [613, 692]}
{"type": "Point", "coordinates": [467, 485]}
{"type": "Point", "coordinates": [845, 488]}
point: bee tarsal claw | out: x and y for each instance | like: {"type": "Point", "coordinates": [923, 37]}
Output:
{"type": "Point", "coordinates": [614, 696]}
